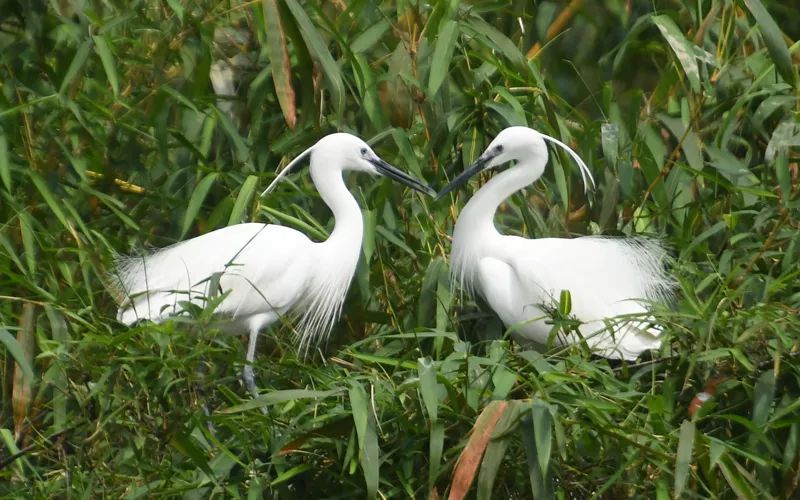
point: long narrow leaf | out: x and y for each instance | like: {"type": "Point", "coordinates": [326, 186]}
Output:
{"type": "Point", "coordinates": [279, 56]}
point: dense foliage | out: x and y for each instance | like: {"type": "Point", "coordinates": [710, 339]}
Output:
{"type": "Point", "coordinates": [112, 140]}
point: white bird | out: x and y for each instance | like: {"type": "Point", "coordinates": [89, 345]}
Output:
{"type": "Point", "coordinates": [612, 282]}
{"type": "Point", "coordinates": [265, 270]}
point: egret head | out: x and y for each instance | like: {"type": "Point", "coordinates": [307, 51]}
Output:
{"type": "Point", "coordinates": [352, 153]}
{"type": "Point", "coordinates": [517, 143]}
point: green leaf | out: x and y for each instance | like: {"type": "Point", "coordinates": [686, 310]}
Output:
{"type": "Point", "coordinates": [565, 302]}
{"type": "Point", "coordinates": [196, 201]}
{"type": "Point", "coordinates": [5, 164]}
{"type": "Point", "coordinates": [54, 206]}
{"type": "Point", "coordinates": [370, 221]}
{"type": "Point", "coordinates": [367, 437]}
{"type": "Point", "coordinates": [28, 241]}
{"type": "Point", "coordinates": [13, 348]}
{"type": "Point", "coordinates": [318, 49]}
{"type": "Point", "coordinates": [239, 144]}
{"type": "Point", "coordinates": [501, 43]}
{"type": "Point", "coordinates": [773, 38]}
{"type": "Point", "coordinates": [763, 394]}
{"type": "Point", "coordinates": [181, 99]}
{"type": "Point", "coordinates": [243, 199]}
{"type": "Point", "coordinates": [541, 487]}
{"type": "Point", "coordinates": [176, 7]}
{"type": "Point", "coordinates": [370, 36]}
{"type": "Point", "coordinates": [435, 450]}
{"type": "Point", "coordinates": [289, 474]}
{"type": "Point", "coordinates": [442, 55]}
{"type": "Point", "coordinates": [276, 397]}
{"type": "Point", "coordinates": [186, 444]}
{"type": "Point", "coordinates": [543, 434]}
{"type": "Point", "coordinates": [684, 456]}
{"type": "Point", "coordinates": [76, 65]}
{"type": "Point", "coordinates": [428, 386]}
{"type": "Point", "coordinates": [684, 50]}
{"type": "Point", "coordinates": [107, 59]}
{"type": "Point", "coordinates": [609, 138]}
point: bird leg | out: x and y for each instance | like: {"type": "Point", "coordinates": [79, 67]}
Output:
{"type": "Point", "coordinates": [247, 372]}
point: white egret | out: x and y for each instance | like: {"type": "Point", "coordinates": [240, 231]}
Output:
{"type": "Point", "coordinates": [612, 281]}
{"type": "Point", "coordinates": [266, 270]}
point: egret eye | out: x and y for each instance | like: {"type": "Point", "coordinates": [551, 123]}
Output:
{"type": "Point", "coordinates": [363, 151]}
{"type": "Point", "coordinates": [499, 148]}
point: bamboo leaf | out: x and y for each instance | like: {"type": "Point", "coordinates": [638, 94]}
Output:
{"type": "Point", "coordinates": [28, 241]}
{"type": "Point", "coordinates": [428, 386]}
{"type": "Point", "coordinates": [683, 49]}
{"type": "Point", "coordinates": [470, 457]}
{"type": "Point", "coordinates": [184, 443]}
{"type": "Point", "coordinates": [496, 450]}
{"type": "Point", "coordinates": [684, 456]}
{"type": "Point", "coordinates": [5, 163]}
{"type": "Point", "coordinates": [196, 201]}
{"type": "Point", "coordinates": [318, 50]}
{"type": "Point", "coordinates": [370, 36]}
{"type": "Point", "coordinates": [773, 38]}
{"type": "Point", "coordinates": [543, 434]}
{"type": "Point", "coordinates": [243, 199]}
{"type": "Point", "coordinates": [764, 393]}
{"type": "Point", "coordinates": [367, 437]}
{"type": "Point", "coordinates": [103, 50]}
{"type": "Point", "coordinates": [75, 67]}
{"type": "Point", "coordinates": [280, 64]}
{"type": "Point", "coordinates": [435, 450]}
{"type": "Point", "coordinates": [442, 55]}
{"type": "Point", "coordinates": [13, 348]}
{"type": "Point", "coordinates": [277, 397]}
{"type": "Point", "coordinates": [47, 195]}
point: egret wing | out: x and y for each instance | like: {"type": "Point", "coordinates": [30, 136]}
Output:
{"type": "Point", "coordinates": [611, 281]}
{"type": "Point", "coordinates": [259, 266]}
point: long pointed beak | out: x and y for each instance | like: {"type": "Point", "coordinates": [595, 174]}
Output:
{"type": "Point", "coordinates": [473, 169]}
{"type": "Point", "coordinates": [400, 176]}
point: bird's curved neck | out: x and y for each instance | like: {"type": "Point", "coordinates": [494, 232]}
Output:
{"type": "Point", "coordinates": [348, 223]}
{"type": "Point", "coordinates": [480, 209]}
{"type": "Point", "coordinates": [475, 233]}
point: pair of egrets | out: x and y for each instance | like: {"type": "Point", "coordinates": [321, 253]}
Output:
{"type": "Point", "coordinates": [265, 271]}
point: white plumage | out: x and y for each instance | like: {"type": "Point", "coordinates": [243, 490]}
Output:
{"type": "Point", "coordinates": [265, 270]}
{"type": "Point", "coordinates": [613, 282]}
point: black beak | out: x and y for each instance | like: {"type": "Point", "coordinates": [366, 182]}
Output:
{"type": "Point", "coordinates": [400, 176]}
{"type": "Point", "coordinates": [473, 169]}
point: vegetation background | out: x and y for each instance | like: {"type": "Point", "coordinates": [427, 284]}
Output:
{"type": "Point", "coordinates": [113, 139]}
